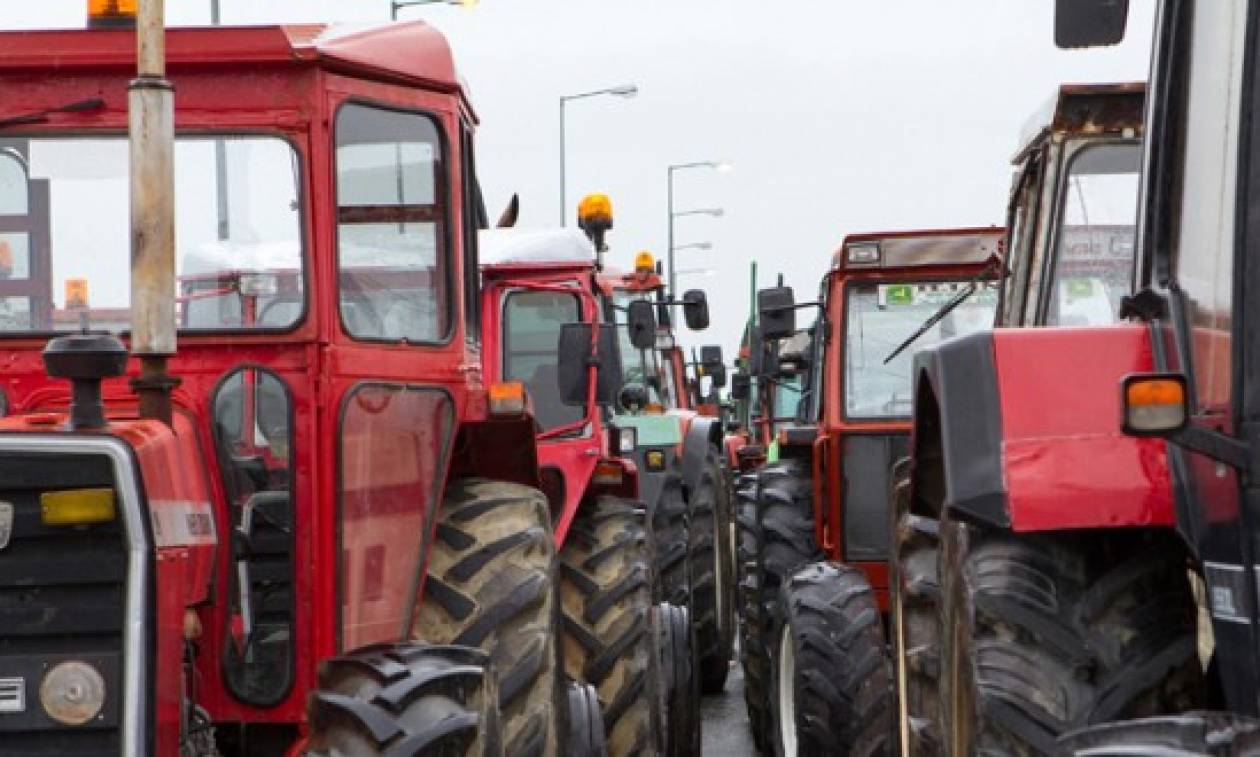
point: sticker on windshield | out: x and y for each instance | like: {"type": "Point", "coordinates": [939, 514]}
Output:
{"type": "Point", "coordinates": [933, 294]}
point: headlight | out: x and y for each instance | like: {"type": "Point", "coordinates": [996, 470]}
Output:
{"type": "Point", "coordinates": [72, 693]}
{"type": "Point", "coordinates": [624, 440]}
{"type": "Point", "coordinates": [259, 284]}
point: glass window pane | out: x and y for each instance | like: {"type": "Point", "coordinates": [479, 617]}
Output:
{"type": "Point", "coordinates": [1094, 257]}
{"type": "Point", "coordinates": [13, 190]}
{"type": "Point", "coordinates": [392, 442]}
{"type": "Point", "coordinates": [15, 255]}
{"type": "Point", "coordinates": [532, 323]}
{"type": "Point", "coordinates": [15, 313]}
{"type": "Point", "coordinates": [391, 234]}
{"type": "Point", "coordinates": [882, 316]}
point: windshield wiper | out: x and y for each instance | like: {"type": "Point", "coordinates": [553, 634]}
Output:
{"type": "Point", "coordinates": [40, 116]}
{"type": "Point", "coordinates": [945, 310]}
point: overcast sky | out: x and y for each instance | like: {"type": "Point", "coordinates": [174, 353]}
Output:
{"type": "Point", "coordinates": [839, 116]}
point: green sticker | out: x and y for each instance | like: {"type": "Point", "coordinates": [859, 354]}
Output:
{"type": "Point", "coordinates": [900, 294]}
{"type": "Point", "coordinates": [1080, 288]}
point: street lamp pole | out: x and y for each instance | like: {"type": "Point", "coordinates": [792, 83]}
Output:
{"type": "Point", "coordinates": [715, 165]}
{"type": "Point", "coordinates": [397, 5]}
{"type": "Point", "coordinates": [624, 90]}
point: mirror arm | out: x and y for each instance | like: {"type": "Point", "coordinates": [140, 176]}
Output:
{"type": "Point", "coordinates": [1216, 446]}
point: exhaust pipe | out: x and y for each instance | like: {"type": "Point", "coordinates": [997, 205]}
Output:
{"type": "Point", "coordinates": [151, 121]}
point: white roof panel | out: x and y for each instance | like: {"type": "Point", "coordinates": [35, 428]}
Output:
{"type": "Point", "coordinates": [503, 246]}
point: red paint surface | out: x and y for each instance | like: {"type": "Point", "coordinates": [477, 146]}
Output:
{"type": "Point", "coordinates": [1065, 462]}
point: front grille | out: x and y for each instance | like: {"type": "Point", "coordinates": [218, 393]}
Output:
{"type": "Point", "coordinates": [62, 597]}
{"type": "Point", "coordinates": [868, 462]}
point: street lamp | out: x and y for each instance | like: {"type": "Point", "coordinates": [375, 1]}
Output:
{"type": "Point", "coordinates": [624, 90]}
{"type": "Point", "coordinates": [397, 5]}
{"type": "Point", "coordinates": [716, 165]}
{"type": "Point", "coordinates": [715, 212]}
{"type": "Point", "coordinates": [695, 246]}
{"type": "Point", "coordinates": [695, 271]}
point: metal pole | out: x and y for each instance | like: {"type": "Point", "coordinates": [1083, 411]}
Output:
{"type": "Point", "coordinates": [215, 18]}
{"type": "Point", "coordinates": [673, 279]}
{"type": "Point", "coordinates": [151, 122]}
{"type": "Point", "coordinates": [563, 175]}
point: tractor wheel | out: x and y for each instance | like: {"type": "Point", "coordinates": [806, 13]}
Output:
{"type": "Point", "coordinates": [914, 599]}
{"type": "Point", "coordinates": [1047, 633]}
{"type": "Point", "coordinates": [586, 722]}
{"type": "Point", "coordinates": [414, 699]}
{"type": "Point", "coordinates": [680, 687]}
{"type": "Point", "coordinates": [832, 681]}
{"type": "Point", "coordinates": [491, 584]}
{"type": "Point", "coordinates": [609, 635]}
{"type": "Point", "coordinates": [712, 574]}
{"type": "Point", "coordinates": [753, 656]}
{"type": "Point", "coordinates": [667, 517]}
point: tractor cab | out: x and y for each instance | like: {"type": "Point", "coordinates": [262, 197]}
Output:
{"type": "Point", "coordinates": [1073, 207]}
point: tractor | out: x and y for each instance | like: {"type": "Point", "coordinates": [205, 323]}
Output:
{"type": "Point", "coordinates": [813, 538]}
{"type": "Point", "coordinates": [311, 524]}
{"type": "Point", "coordinates": [1091, 490]}
{"type": "Point", "coordinates": [538, 304]}
{"type": "Point", "coordinates": [676, 449]}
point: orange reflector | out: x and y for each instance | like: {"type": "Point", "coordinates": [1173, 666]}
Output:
{"type": "Point", "coordinates": [111, 13]}
{"type": "Point", "coordinates": [654, 460]}
{"type": "Point", "coordinates": [608, 474]}
{"type": "Point", "coordinates": [507, 398]}
{"type": "Point", "coordinates": [1156, 391]}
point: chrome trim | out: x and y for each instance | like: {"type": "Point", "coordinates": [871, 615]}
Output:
{"type": "Point", "coordinates": [133, 719]}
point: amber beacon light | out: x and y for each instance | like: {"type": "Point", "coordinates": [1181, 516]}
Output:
{"type": "Point", "coordinates": [111, 14]}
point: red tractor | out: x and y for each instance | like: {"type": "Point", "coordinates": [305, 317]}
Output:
{"type": "Point", "coordinates": [1092, 490]}
{"type": "Point", "coordinates": [816, 678]}
{"type": "Point", "coordinates": [326, 531]}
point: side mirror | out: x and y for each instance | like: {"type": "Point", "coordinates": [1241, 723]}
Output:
{"type": "Point", "coordinates": [572, 353]}
{"type": "Point", "coordinates": [696, 309]}
{"type": "Point", "coordinates": [716, 374]}
{"type": "Point", "coordinates": [711, 355]}
{"type": "Point", "coordinates": [741, 386]}
{"type": "Point", "coordinates": [1089, 23]}
{"type": "Point", "coordinates": [641, 321]}
{"type": "Point", "coordinates": [776, 311]}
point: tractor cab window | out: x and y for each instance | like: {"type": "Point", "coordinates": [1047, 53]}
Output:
{"type": "Point", "coordinates": [531, 331]}
{"type": "Point", "coordinates": [1093, 262]}
{"type": "Point", "coordinates": [880, 317]}
{"type": "Point", "coordinates": [65, 240]}
{"type": "Point", "coordinates": [392, 226]}
{"type": "Point", "coordinates": [253, 433]}
{"type": "Point", "coordinates": [640, 367]}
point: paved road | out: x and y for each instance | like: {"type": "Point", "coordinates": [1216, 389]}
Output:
{"type": "Point", "coordinates": [725, 720]}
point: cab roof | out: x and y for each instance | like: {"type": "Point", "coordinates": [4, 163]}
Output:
{"type": "Point", "coordinates": [511, 248]}
{"type": "Point", "coordinates": [411, 53]}
{"type": "Point", "coordinates": [1085, 110]}
{"type": "Point", "coordinates": [932, 247]}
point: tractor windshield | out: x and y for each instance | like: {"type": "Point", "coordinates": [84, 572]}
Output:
{"type": "Point", "coordinates": [1094, 253]}
{"type": "Point", "coordinates": [879, 318]}
{"type": "Point", "coordinates": [65, 242]}
{"type": "Point", "coordinates": [638, 366]}
{"type": "Point", "coordinates": [531, 330]}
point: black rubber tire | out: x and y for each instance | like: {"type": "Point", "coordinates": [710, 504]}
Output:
{"type": "Point", "coordinates": [586, 722]}
{"type": "Point", "coordinates": [609, 633]}
{"type": "Point", "coordinates": [667, 516]}
{"type": "Point", "coordinates": [491, 584]}
{"type": "Point", "coordinates": [680, 686]}
{"type": "Point", "coordinates": [842, 681]}
{"type": "Point", "coordinates": [783, 540]}
{"type": "Point", "coordinates": [753, 656]}
{"type": "Point", "coordinates": [1046, 633]}
{"type": "Point", "coordinates": [914, 606]}
{"type": "Point", "coordinates": [405, 699]}
{"type": "Point", "coordinates": [712, 573]}
{"type": "Point", "coordinates": [1222, 734]}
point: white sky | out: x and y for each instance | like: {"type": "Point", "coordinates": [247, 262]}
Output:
{"type": "Point", "coordinates": [839, 116]}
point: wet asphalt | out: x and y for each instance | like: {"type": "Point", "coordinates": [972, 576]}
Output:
{"type": "Point", "coordinates": [725, 727]}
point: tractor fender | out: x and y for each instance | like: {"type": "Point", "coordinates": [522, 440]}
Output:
{"type": "Point", "coordinates": [700, 434]}
{"type": "Point", "coordinates": [1026, 429]}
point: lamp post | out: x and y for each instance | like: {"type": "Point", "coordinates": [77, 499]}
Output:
{"type": "Point", "coordinates": [715, 212]}
{"type": "Point", "coordinates": [715, 165]}
{"type": "Point", "coordinates": [397, 5]}
{"type": "Point", "coordinates": [695, 246]}
{"type": "Point", "coordinates": [624, 90]}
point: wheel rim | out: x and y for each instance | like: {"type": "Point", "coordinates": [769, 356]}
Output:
{"type": "Point", "coordinates": [787, 692]}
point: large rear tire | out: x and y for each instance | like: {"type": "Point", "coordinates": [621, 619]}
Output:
{"type": "Point", "coordinates": [833, 685]}
{"type": "Point", "coordinates": [712, 574]}
{"type": "Point", "coordinates": [405, 699]}
{"type": "Point", "coordinates": [1046, 633]}
{"type": "Point", "coordinates": [913, 617]}
{"type": "Point", "coordinates": [609, 633]}
{"type": "Point", "coordinates": [753, 656]}
{"type": "Point", "coordinates": [491, 584]}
